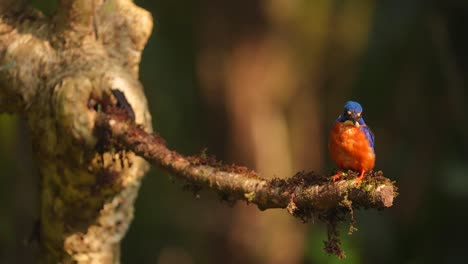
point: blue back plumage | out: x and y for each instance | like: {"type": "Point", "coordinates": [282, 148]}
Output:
{"type": "Point", "coordinates": [369, 135]}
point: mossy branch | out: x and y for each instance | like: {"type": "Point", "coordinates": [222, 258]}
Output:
{"type": "Point", "coordinates": [304, 195]}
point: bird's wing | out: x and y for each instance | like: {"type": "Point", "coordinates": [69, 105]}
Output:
{"type": "Point", "coordinates": [369, 134]}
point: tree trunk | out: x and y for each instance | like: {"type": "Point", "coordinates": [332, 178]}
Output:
{"type": "Point", "coordinates": [54, 72]}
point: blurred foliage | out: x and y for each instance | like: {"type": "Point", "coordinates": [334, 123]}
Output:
{"type": "Point", "coordinates": [405, 61]}
{"type": "Point", "coordinates": [315, 254]}
{"type": "Point", "coordinates": [7, 163]}
{"type": "Point", "coordinates": [47, 7]}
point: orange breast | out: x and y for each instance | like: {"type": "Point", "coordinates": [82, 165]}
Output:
{"type": "Point", "coordinates": [349, 148]}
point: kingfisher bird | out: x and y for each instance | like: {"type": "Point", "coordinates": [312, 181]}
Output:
{"type": "Point", "coordinates": [351, 142]}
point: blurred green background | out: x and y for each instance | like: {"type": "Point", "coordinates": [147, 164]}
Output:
{"type": "Point", "coordinates": [259, 83]}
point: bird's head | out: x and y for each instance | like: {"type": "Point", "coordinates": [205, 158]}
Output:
{"type": "Point", "coordinates": [352, 114]}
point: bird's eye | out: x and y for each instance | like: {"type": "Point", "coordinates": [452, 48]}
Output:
{"type": "Point", "coordinates": [358, 114]}
{"type": "Point", "coordinates": [349, 112]}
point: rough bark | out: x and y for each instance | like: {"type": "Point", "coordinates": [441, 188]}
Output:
{"type": "Point", "coordinates": [49, 70]}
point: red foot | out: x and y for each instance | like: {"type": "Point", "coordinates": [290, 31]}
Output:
{"type": "Point", "coordinates": [359, 179]}
{"type": "Point", "coordinates": [336, 176]}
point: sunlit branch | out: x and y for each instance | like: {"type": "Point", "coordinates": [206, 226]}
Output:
{"type": "Point", "coordinates": [303, 194]}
